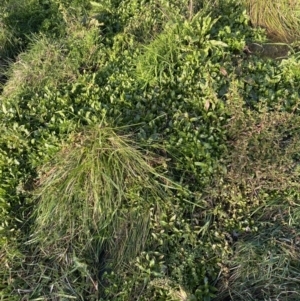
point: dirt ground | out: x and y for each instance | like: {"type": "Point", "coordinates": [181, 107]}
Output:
{"type": "Point", "coordinates": [269, 50]}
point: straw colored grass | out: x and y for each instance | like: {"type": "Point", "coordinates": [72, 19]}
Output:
{"type": "Point", "coordinates": [280, 18]}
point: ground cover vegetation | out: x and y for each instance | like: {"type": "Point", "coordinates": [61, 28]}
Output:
{"type": "Point", "coordinates": [149, 150]}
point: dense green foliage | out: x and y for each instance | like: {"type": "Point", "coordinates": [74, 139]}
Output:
{"type": "Point", "coordinates": [145, 155]}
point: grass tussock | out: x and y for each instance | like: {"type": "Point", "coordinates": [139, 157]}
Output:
{"type": "Point", "coordinates": [49, 62]}
{"type": "Point", "coordinates": [265, 266]}
{"type": "Point", "coordinates": [100, 187]}
{"type": "Point", "coordinates": [281, 19]}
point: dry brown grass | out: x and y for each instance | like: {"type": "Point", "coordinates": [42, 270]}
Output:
{"type": "Point", "coordinates": [280, 18]}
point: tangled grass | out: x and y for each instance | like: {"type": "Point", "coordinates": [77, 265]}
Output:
{"type": "Point", "coordinates": [280, 18]}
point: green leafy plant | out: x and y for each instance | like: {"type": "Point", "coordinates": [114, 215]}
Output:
{"type": "Point", "coordinates": [110, 104]}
